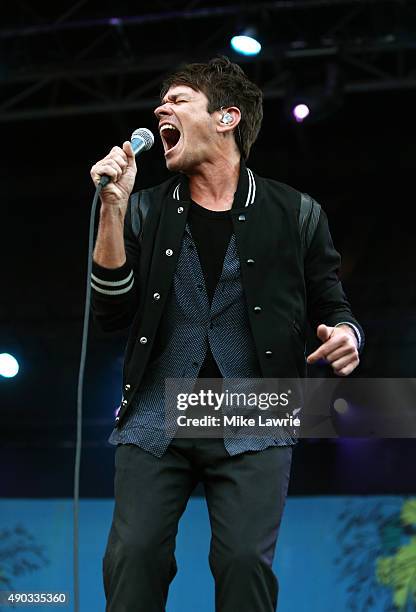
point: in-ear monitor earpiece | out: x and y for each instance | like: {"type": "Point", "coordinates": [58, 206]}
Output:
{"type": "Point", "coordinates": [227, 118]}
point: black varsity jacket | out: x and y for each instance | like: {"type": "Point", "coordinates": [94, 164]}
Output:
{"type": "Point", "coordinates": [283, 286]}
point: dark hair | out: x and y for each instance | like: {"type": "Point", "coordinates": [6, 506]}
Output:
{"type": "Point", "coordinates": [224, 84]}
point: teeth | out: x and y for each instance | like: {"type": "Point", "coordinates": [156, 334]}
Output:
{"type": "Point", "coordinates": [167, 126]}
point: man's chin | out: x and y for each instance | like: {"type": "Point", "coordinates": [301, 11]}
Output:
{"type": "Point", "coordinates": [170, 165]}
{"type": "Point", "coordinates": [173, 163]}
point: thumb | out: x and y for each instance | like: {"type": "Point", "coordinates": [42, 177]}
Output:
{"type": "Point", "coordinates": [128, 150]}
{"type": "Point", "coordinates": [323, 332]}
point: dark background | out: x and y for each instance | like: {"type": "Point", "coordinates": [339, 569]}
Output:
{"type": "Point", "coordinates": [73, 85]}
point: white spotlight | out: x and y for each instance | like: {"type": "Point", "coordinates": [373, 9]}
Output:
{"type": "Point", "coordinates": [8, 365]}
{"type": "Point", "coordinates": [341, 405]}
{"type": "Point", "coordinates": [300, 112]}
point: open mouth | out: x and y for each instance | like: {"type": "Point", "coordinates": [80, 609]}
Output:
{"type": "Point", "coordinates": [170, 136]}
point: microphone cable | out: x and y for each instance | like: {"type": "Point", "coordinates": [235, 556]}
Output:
{"type": "Point", "coordinates": [80, 388]}
{"type": "Point", "coordinates": [142, 140]}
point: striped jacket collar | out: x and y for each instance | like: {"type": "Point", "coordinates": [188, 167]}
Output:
{"type": "Point", "coordinates": [243, 197]}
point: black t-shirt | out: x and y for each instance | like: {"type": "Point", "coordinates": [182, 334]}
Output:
{"type": "Point", "coordinates": [211, 231]}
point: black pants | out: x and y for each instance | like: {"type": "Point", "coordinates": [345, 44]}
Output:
{"type": "Point", "coordinates": [245, 496]}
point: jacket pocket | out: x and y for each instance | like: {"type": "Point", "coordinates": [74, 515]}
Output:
{"type": "Point", "coordinates": [297, 328]}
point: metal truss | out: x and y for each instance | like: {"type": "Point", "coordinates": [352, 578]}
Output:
{"type": "Point", "coordinates": [73, 67]}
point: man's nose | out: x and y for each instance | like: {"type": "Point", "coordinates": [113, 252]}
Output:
{"type": "Point", "coordinates": [163, 109]}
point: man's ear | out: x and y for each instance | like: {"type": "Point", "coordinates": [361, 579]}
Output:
{"type": "Point", "coordinates": [228, 119]}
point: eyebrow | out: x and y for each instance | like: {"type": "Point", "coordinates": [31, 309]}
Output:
{"type": "Point", "coordinates": [174, 97]}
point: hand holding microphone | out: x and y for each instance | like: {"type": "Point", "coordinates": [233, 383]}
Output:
{"type": "Point", "coordinates": [116, 172]}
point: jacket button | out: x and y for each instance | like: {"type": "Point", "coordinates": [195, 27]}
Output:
{"type": "Point", "coordinates": [268, 353]}
{"type": "Point", "coordinates": [241, 217]}
{"type": "Point", "coordinates": [250, 262]}
{"type": "Point", "coordinates": [156, 296]}
{"type": "Point", "coordinates": [143, 340]}
{"type": "Point", "coordinates": [180, 209]}
{"type": "Point", "coordinates": [127, 387]}
{"type": "Point", "coordinates": [257, 309]}
{"type": "Point", "coordinates": [124, 402]}
{"type": "Point", "coordinates": [169, 252]}
{"type": "Point", "coordinates": [117, 419]}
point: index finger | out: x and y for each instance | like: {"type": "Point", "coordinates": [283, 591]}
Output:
{"type": "Point", "coordinates": [316, 356]}
{"type": "Point", "coordinates": [118, 151]}
{"type": "Point", "coordinates": [327, 347]}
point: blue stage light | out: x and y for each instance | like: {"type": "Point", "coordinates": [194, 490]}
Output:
{"type": "Point", "coordinates": [9, 366]}
{"type": "Point", "coordinates": [245, 45]}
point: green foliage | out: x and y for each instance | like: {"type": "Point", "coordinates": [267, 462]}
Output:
{"type": "Point", "coordinates": [378, 554]}
{"type": "Point", "coordinates": [408, 513]}
{"type": "Point", "coordinates": [398, 571]}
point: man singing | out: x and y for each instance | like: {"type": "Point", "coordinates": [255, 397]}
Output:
{"type": "Point", "coordinates": [208, 271]}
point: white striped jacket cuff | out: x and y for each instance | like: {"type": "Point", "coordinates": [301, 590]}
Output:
{"type": "Point", "coordinates": [112, 282]}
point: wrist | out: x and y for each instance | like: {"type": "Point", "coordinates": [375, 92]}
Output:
{"type": "Point", "coordinates": [113, 211]}
{"type": "Point", "coordinates": [350, 330]}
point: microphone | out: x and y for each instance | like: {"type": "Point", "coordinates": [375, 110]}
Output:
{"type": "Point", "coordinates": [141, 140]}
